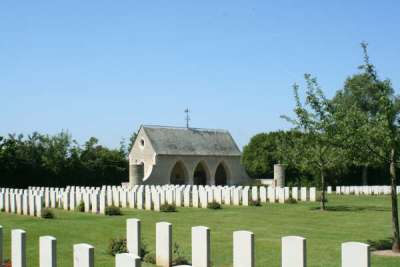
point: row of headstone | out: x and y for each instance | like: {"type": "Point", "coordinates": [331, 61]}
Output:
{"type": "Point", "coordinates": [293, 252]}
{"type": "Point", "coordinates": [363, 190]}
{"type": "Point", "coordinates": [151, 197]}
{"type": "Point", "coordinates": [21, 202]}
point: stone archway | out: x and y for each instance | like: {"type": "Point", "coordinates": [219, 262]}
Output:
{"type": "Point", "coordinates": [221, 174]}
{"type": "Point", "coordinates": [201, 174]}
{"type": "Point", "coordinates": [179, 174]}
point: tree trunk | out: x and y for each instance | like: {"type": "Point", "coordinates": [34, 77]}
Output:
{"type": "Point", "coordinates": [395, 214]}
{"type": "Point", "coordinates": [365, 175]}
{"type": "Point", "coordinates": [323, 197]}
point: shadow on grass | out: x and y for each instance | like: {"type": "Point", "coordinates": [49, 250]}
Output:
{"type": "Point", "coordinates": [353, 208]}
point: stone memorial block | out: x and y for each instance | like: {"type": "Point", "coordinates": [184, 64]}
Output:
{"type": "Point", "coordinates": [25, 204]}
{"type": "Point", "coordinates": [53, 202]}
{"type": "Point", "coordinates": [157, 201]}
{"type": "Point", "coordinates": [329, 189]}
{"type": "Point", "coordinates": [281, 194]}
{"type": "Point", "coordinates": [47, 251]}
{"type": "Point", "coordinates": [109, 197]}
{"type": "Point", "coordinates": [227, 196]}
{"type": "Point", "coordinates": [140, 199]}
{"type": "Point", "coordinates": [195, 199]}
{"type": "Point", "coordinates": [18, 203]}
{"type": "Point", "coordinates": [83, 255]}
{"type": "Point", "coordinates": [246, 197]}
{"type": "Point", "coordinates": [271, 194]}
{"type": "Point", "coordinates": [186, 197]}
{"type": "Point", "coordinates": [13, 206]}
{"type": "Point", "coordinates": [1, 201]}
{"type": "Point", "coordinates": [287, 193]}
{"type": "Point", "coordinates": [133, 236]}
{"type": "Point", "coordinates": [72, 200]}
{"type": "Point", "coordinates": [7, 202]}
{"type": "Point", "coordinates": [263, 194]}
{"type": "Point", "coordinates": [254, 193]}
{"type": "Point", "coordinates": [178, 198]}
{"type": "Point", "coordinates": [313, 194]}
{"type": "Point", "coordinates": [204, 199]}
{"type": "Point", "coordinates": [163, 244]}
{"type": "Point", "coordinates": [18, 248]}
{"type": "Point", "coordinates": [124, 199]}
{"type": "Point", "coordinates": [147, 200]}
{"type": "Point", "coordinates": [236, 196]}
{"type": "Point", "coordinates": [303, 194]}
{"type": "Point", "coordinates": [38, 204]}
{"type": "Point", "coordinates": [95, 203]}
{"type": "Point", "coordinates": [32, 205]}
{"type": "Point", "coordinates": [295, 193]}
{"type": "Point", "coordinates": [200, 246]}
{"type": "Point", "coordinates": [65, 201]}
{"type": "Point", "coordinates": [127, 260]}
{"type": "Point", "coordinates": [132, 199]}
{"type": "Point", "coordinates": [86, 199]}
{"type": "Point", "coordinates": [355, 254]}
{"type": "Point", "coordinates": [243, 249]}
{"type": "Point", "coordinates": [102, 203]}
{"type": "Point", "coordinates": [218, 195]}
{"type": "Point", "coordinates": [293, 251]}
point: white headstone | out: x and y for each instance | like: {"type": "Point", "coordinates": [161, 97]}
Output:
{"type": "Point", "coordinates": [355, 254]}
{"type": "Point", "coordinates": [127, 260]}
{"type": "Point", "coordinates": [133, 236]}
{"type": "Point", "coordinates": [200, 246]}
{"type": "Point", "coordinates": [293, 251]}
{"type": "Point", "coordinates": [18, 248]}
{"type": "Point", "coordinates": [163, 244]}
{"type": "Point", "coordinates": [47, 251]}
{"type": "Point", "coordinates": [1, 244]}
{"type": "Point", "coordinates": [243, 249]}
{"type": "Point", "coordinates": [83, 255]}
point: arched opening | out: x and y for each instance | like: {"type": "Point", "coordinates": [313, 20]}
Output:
{"type": "Point", "coordinates": [221, 175]}
{"type": "Point", "coordinates": [200, 176]}
{"type": "Point", "coordinates": [179, 174]}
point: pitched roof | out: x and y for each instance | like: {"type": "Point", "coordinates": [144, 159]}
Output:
{"type": "Point", "coordinates": [191, 141]}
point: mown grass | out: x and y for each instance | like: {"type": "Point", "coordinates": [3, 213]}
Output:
{"type": "Point", "coordinates": [350, 218]}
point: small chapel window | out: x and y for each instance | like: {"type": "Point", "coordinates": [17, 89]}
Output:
{"type": "Point", "coordinates": [142, 142]}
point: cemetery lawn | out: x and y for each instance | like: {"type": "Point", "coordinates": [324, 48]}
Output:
{"type": "Point", "coordinates": [351, 218]}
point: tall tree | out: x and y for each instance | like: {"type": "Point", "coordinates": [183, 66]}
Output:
{"type": "Point", "coordinates": [360, 90]}
{"type": "Point", "coordinates": [314, 148]}
{"type": "Point", "coordinates": [377, 135]}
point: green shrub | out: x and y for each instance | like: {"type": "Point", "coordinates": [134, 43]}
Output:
{"type": "Point", "coordinates": [382, 244]}
{"type": "Point", "coordinates": [117, 246]}
{"type": "Point", "coordinates": [168, 208]}
{"type": "Point", "coordinates": [255, 203]}
{"type": "Point", "coordinates": [81, 207]}
{"type": "Point", "coordinates": [214, 206]}
{"type": "Point", "coordinates": [3, 210]}
{"type": "Point", "coordinates": [47, 214]}
{"type": "Point", "coordinates": [291, 201]}
{"type": "Point", "coordinates": [150, 258]}
{"type": "Point", "coordinates": [113, 211]}
{"type": "Point", "coordinates": [178, 257]}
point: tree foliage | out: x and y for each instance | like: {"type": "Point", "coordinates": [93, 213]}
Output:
{"type": "Point", "coordinates": [58, 160]}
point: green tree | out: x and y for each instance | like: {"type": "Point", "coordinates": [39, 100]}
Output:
{"type": "Point", "coordinates": [313, 150]}
{"type": "Point", "coordinates": [360, 90]}
{"type": "Point", "coordinates": [377, 135]}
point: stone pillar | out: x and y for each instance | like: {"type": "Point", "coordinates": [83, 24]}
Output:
{"type": "Point", "coordinates": [133, 236]}
{"type": "Point", "coordinates": [243, 249]}
{"type": "Point", "coordinates": [163, 244]}
{"type": "Point", "coordinates": [200, 246]}
{"type": "Point", "coordinates": [83, 255]}
{"type": "Point", "coordinates": [127, 260]}
{"type": "Point", "coordinates": [355, 254]}
{"type": "Point", "coordinates": [47, 251]}
{"type": "Point", "coordinates": [18, 248]}
{"type": "Point", "coordinates": [279, 175]}
{"type": "Point", "coordinates": [136, 174]}
{"type": "Point", "coordinates": [293, 251]}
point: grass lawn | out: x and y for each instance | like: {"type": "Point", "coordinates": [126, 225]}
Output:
{"type": "Point", "coordinates": [351, 219]}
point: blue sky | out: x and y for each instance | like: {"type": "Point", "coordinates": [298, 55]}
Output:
{"type": "Point", "coordinates": [102, 68]}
